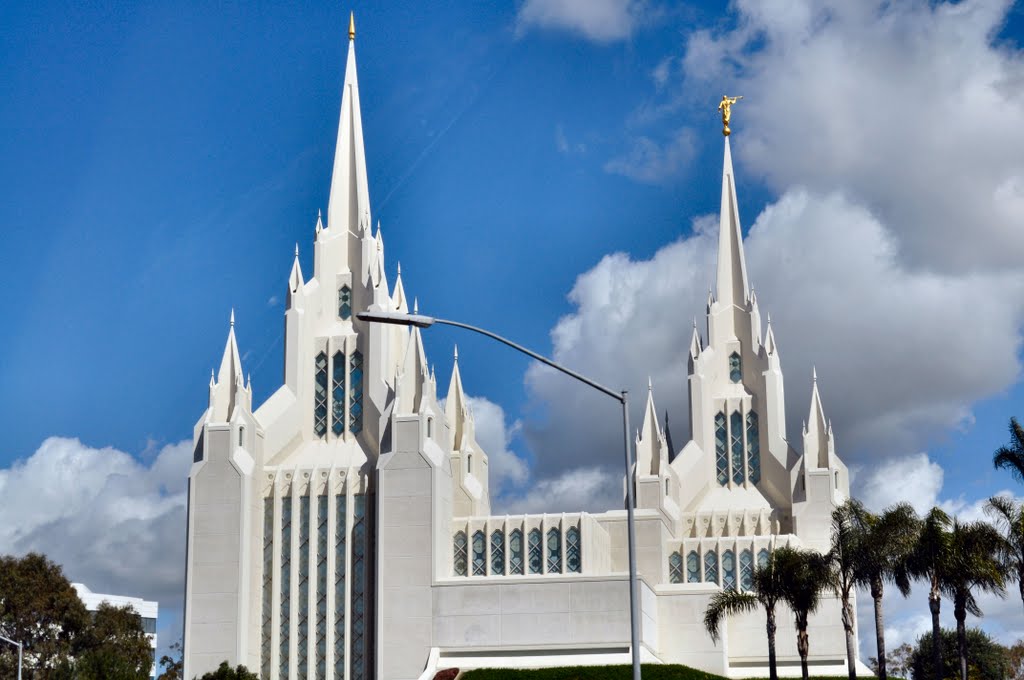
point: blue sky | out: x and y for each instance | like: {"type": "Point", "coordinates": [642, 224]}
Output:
{"type": "Point", "coordinates": [543, 169]}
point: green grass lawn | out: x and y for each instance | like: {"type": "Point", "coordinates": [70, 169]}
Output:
{"type": "Point", "coordinates": [650, 672]}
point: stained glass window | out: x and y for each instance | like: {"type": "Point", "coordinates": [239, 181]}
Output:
{"type": "Point", "coordinates": [736, 441]}
{"type": "Point", "coordinates": [536, 552]}
{"type": "Point", "coordinates": [345, 302]}
{"type": "Point", "coordinates": [735, 367]}
{"type": "Point", "coordinates": [711, 567]}
{"type": "Point", "coordinates": [340, 532]}
{"type": "Point", "coordinates": [459, 558]}
{"type": "Point", "coordinates": [338, 393]}
{"type": "Point", "coordinates": [675, 568]}
{"type": "Point", "coordinates": [359, 576]}
{"type": "Point", "coordinates": [554, 551]}
{"type": "Point", "coordinates": [721, 450]}
{"type": "Point", "coordinates": [320, 396]}
{"type": "Point", "coordinates": [479, 554]}
{"type": "Point", "coordinates": [753, 448]}
{"type": "Point", "coordinates": [268, 583]}
{"type": "Point", "coordinates": [355, 391]}
{"type": "Point", "coordinates": [729, 570]}
{"type": "Point", "coordinates": [746, 570]}
{"type": "Point", "coordinates": [762, 558]}
{"type": "Point", "coordinates": [321, 586]}
{"type": "Point", "coordinates": [572, 550]}
{"type": "Point", "coordinates": [497, 552]}
{"type": "Point", "coordinates": [693, 567]}
{"type": "Point", "coordinates": [515, 552]}
{"type": "Point", "coordinates": [286, 587]}
{"type": "Point", "coordinates": [303, 609]}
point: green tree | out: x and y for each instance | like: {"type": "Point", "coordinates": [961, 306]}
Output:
{"type": "Point", "coordinates": [803, 573]}
{"type": "Point", "coordinates": [897, 661]}
{"type": "Point", "coordinates": [226, 672]}
{"type": "Point", "coordinates": [973, 565]}
{"type": "Point", "coordinates": [1009, 517]}
{"type": "Point", "coordinates": [1011, 456]}
{"type": "Point", "coordinates": [174, 666]}
{"type": "Point", "coordinates": [115, 647]}
{"type": "Point", "coordinates": [40, 609]}
{"type": "Point", "coordinates": [1015, 657]}
{"type": "Point", "coordinates": [887, 541]}
{"type": "Point", "coordinates": [848, 533]}
{"type": "Point", "coordinates": [767, 592]}
{"type": "Point", "coordinates": [989, 660]}
{"type": "Point", "coordinates": [929, 561]}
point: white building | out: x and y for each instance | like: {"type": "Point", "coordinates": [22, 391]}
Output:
{"type": "Point", "coordinates": [146, 609]}
{"type": "Point", "coordinates": [343, 529]}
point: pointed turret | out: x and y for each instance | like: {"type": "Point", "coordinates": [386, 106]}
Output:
{"type": "Point", "coordinates": [819, 446]}
{"type": "Point", "coordinates": [412, 375]}
{"type": "Point", "coordinates": [295, 281]}
{"type": "Point", "coordinates": [732, 268]}
{"type": "Point", "coordinates": [695, 343]}
{"type": "Point", "coordinates": [398, 299]}
{"type": "Point", "coordinates": [225, 391]}
{"type": "Point", "coordinates": [456, 408]}
{"type": "Point", "coordinates": [770, 346]}
{"type": "Point", "coordinates": [650, 443]}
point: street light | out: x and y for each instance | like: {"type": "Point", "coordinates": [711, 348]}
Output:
{"type": "Point", "coordinates": [422, 321]}
{"type": "Point", "coordinates": [18, 645]}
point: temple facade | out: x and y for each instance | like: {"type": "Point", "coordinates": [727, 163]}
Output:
{"type": "Point", "coordinates": [343, 529]}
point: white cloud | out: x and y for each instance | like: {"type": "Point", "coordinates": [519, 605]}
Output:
{"type": "Point", "coordinates": [590, 489]}
{"type": "Point", "coordinates": [114, 523]}
{"type": "Point", "coordinates": [652, 163]}
{"type": "Point", "coordinates": [912, 479]}
{"type": "Point", "coordinates": [504, 466]}
{"type": "Point", "coordinates": [601, 21]}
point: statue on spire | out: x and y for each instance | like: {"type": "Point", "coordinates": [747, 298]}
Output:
{"type": "Point", "coordinates": [725, 106]}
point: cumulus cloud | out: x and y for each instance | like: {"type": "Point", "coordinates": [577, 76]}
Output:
{"type": "Point", "coordinates": [505, 468]}
{"type": "Point", "coordinates": [589, 489]}
{"type": "Point", "coordinates": [113, 523]}
{"type": "Point", "coordinates": [649, 162]}
{"type": "Point", "coordinates": [601, 21]}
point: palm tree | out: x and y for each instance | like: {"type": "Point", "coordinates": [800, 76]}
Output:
{"type": "Point", "coordinates": [1011, 456]}
{"type": "Point", "coordinates": [929, 561]}
{"type": "Point", "coordinates": [1009, 517]}
{"type": "Point", "coordinates": [887, 542]}
{"type": "Point", "coordinates": [767, 591]}
{"type": "Point", "coordinates": [848, 531]}
{"type": "Point", "coordinates": [973, 565]}
{"type": "Point", "coordinates": [804, 574]}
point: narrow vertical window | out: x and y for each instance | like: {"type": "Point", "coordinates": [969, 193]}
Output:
{"type": "Point", "coordinates": [753, 448]}
{"type": "Point", "coordinates": [241, 436]}
{"type": "Point", "coordinates": [536, 552]}
{"type": "Point", "coordinates": [340, 532]}
{"type": "Point", "coordinates": [338, 393]}
{"type": "Point", "coordinates": [735, 367]}
{"type": "Point", "coordinates": [268, 584]}
{"type": "Point", "coordinates": [320, 396]}
{"type": "Point", "coordinates": [736, 443]}
{"type": "Point", "coordinates": [573, 551]}
{"type": "Point", "coordinates": [747, 570]}
{"type": "Point", "coordinates": [762, 559]}
{"type": "Point", "coordinates": [286, 587]}
{"type": "Point", "coordinates": [359, 576]}
{"type": "Point", "coordinates": [469, 464]}
{"type": "Point", "coordinates": [430, 428]}
{"type": "Point", "coordinates": [497, 552]}
{"type": "Point", "coordinates": [321, 586]}
{"type": "Point", "coordinates": [666, 486]}
{"type": "Point", "coordinates": [675, 568]}
{"type": "Point", "coordinates": [303, 612]}
{"type": "Point", "coordinates": [554, 551]}
{"type": "Point", "coordinates": [693, 567]}
{"type": "Point", "coordinates": [345, 303]}
{"type": "Point", "coordinates": [711, 567]}
{"type": "Point", "coordinates": [459, 557]}
{"type": "Point", "coordinates": [355, 392]}
{"type": "Point", "coordinates": [721, 450]}
{"type": "Point", "coordinates": [479, 554]}
{"type": "Point", "coordinates": [515, 552]}
{"type": "Point", "coordinates": [729, 570]}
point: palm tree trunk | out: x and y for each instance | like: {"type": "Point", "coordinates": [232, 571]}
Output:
{"type": "Point", "coordinates": [933, 604]}
{"type": "Point", "coordinates": [803, 646]}
{"type": "Point", "coordinates": [960, 614]}
{"type": "Point", "coordinates": [773, 671]}
{"type": "Point", "coordinates": [1020, 584]}
{"type": "Point", "coordinates": [851, 654]}
{"type": "Point", "coordinates": [876, 595]}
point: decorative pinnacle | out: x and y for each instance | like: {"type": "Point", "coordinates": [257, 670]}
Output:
{"type": "Point", "coordinates": [650, 386]}
{"type": "Point", "coordinates": [232, 317]}
{"type": "Point", "coordinates": [456, 354]}
{"type": "Point", "coordinates": [399, 268]}
{"type": "Point", "coordinates": [352, 26]}
{"type": "Point", "coordinates": [296, 249]}
{"type": "Point", "coordinates": [415, 305]}
{"type": "Point", "coordinates": [814, 374]}
{"type": "Point", "coordinates": [725, 106]}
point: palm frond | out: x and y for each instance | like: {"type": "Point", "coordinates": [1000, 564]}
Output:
{"type": "Point", "coordinates": [724, 603]}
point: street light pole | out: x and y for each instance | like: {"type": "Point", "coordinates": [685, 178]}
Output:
{"type": "Point", "coordinates": [18, 645]}
{"type": "Point", "coordinates": [422, 321]}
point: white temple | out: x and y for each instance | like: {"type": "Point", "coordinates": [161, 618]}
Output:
{"type": "Point", "coordinates": [343, 529]}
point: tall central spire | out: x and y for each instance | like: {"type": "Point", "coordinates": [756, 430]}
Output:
{"type": "Point", "coordinates": [732, 268]}
{"type": "Point", "coordinates": [348, 207]}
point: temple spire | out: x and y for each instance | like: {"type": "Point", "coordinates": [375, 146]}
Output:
{"type": "Point", "coordinates": [348, 208]}
{"type": "Point", "coordinates": [818, 443]}
{"type": "Point", "coordinates": [732, 268]}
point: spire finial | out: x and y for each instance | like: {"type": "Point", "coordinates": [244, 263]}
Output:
{"type": "Point", "coordinates": [814, 374]}
{"type": "Point", "coordinates": [415, 305]}
{"type": "Point", "coordinates": [650, 385]}
{"type": "Point", "coordinates": [399, 268]}
{"type": "Point", "coordinates": [232, 317]}
{"type": "Point", "coordinates": [725, 106]}
{"type": "Point", "coordinates": [351, 25]}
{"type": "Point", "coordinates": [456, 354]}
{"type": "Point", "coordinates": [296, 249]}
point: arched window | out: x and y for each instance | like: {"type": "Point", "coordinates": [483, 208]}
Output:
{"type": "Point", "coordinates": [355, 392]}
{"type": "Point", "coordinates": [721, 450]}
{"type": "Point", "coordinates": [320, 396]}
{"type": "Point", "coordinates": [736, 441]}
{"type": "Point", "coordinates": [753, 448]}
{"type": "Point", "coordinates": [554, 551]}
{"type": "Point", "coordinates": [497, 552]}
{"type": "Point", "coordinates": [338, 393]}
{"type": "Point", "coordinates": [762, 558]}
{"type": "Point", "coordinates": [735, 367]}
{"type": "Point", "coordinates": [572, 550]}
{"type": "Point", "coordinates": [711, 567]}
{"type": "Point", "coordinates": [729, 570]}
{"type": "Point", "coordinates": [515, 552]}
{"type": "Point", "coordinates": [479, 554]}
{"type": "Point", "coordinates": [675, 568]}
{"type": "Point", "coordinates": [460, 558]}
{"type": "Point", "coordinates": [746, 570]}
{"type": "Point", "coordinates": [693, 567]}
{"type": "Point", "coordinates": [536, 555]}
{"type": "Point", "coordinates": [345, 302]}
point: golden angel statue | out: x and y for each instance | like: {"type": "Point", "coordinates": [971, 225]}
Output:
{"type": "Point", "coordinates": [725, 106]}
